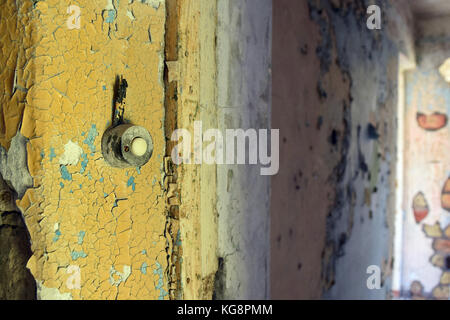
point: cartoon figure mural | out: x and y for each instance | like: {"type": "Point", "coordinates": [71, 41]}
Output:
{"type": "Point", "coordinates": [420, 207]}
{"type": "Point", "coordinates": [445, 196]}
{"type": "Point", "coordinates": [432, 122]}
{"type": "Point", "coordinates": [440, 257]}
{"type": "Point", "coordinates": [426, 230]}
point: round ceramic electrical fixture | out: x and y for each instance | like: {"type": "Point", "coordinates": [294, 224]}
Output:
{"type": "Point", "coordinates": [127, 146]}
{"type": "Point", "coordinates": [139, 147]}
{"type": "Point", "coordinates": [445, 70]}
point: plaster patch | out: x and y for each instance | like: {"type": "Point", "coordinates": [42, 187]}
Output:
{"type": "Point", "coordinates": [122, 276]}
{"type": "Point", "coordinates": [130, 15]}
{"type": "Point", "coordinates": [110, 5]}
{"type": "Point", "coordinates": [154, 3]}
{"type": "Point", "coordinates": [72, 154]}
{"type": "Point", "coordinates": [44, 293]}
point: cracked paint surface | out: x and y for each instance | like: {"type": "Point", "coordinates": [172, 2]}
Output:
{"type": "Point", "coordinates": [58, 84]}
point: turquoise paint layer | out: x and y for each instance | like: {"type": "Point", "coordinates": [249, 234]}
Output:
{"type": "Point", "coordinates": [52, 154]}
{"type": "Point", "coordinates": [144, 267]}
{"type": "Point", "coordinates": [57, 235]}
{"type": "Point", "coordinates": [131, 183]}
{"type": "Point", "coordinates": [84, 163]}
{"type": "Point", "coordinates": [81, 235]}
{"type": "Point", "coordinates": [111, 16]}
{"type": "Point", "coordinates": [78, 254]}
{"type": "Point", "coordinates": [65, 174]}
{"type": "Point", "coordinates": [90, 139]}
{"type": "Point", "coordinates": [160, 284]}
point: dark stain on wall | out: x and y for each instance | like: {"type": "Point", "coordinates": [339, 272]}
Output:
{"type": "Point", "coordinates": [359, 48]}
{"type": "Point", "coordinates": [219, 280]}
{"type": "Point", "coordinates": [16, 281]}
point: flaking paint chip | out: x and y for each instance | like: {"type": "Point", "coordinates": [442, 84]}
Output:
{"type": "Point", "coordinates": [72, 154]}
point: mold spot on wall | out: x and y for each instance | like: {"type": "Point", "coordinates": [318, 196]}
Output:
{"type": "Point", "coordinates": [219, 280]}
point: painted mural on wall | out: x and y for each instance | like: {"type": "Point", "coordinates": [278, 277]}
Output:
{"type": "Point", "coordinates": [426, 229]}
{"type": "Point", "coordinates": [445, 196]}
{"type": "Point", "coordinates": [420, 207]}
{"type": "Point", "coordinates": [440, 257]}
{"type": "Point", "coordinates": [432, 122]}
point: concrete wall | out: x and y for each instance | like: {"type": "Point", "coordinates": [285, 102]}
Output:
{"type": "Point", "coordinates": [244, 101]}
{"type": "Point", "coordinates": [334, 98]}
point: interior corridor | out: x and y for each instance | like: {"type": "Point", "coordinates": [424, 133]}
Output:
{"type": "Point", "coordinates": [363, 184]}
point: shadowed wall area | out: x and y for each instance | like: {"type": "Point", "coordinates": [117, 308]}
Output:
{"type": "Point", "coordinates": [16, 281]}
{"type": "Point", "coordinates": [335, 102]}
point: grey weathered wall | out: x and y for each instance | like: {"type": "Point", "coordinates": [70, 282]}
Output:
{"type": "Point", "coordinates": [335, 100]}
{"type": "Point", "coordinates": [244, 98]}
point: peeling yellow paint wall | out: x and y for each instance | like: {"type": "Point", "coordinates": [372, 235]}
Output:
{"type": "Point", "coordinates": [16, 73]}
{"type": "Point", "coordinates": [87, 221]}
{"type": "Point", "coordinates": [197, 102]}
{"type": "Point", "coordinates": [98, 232]}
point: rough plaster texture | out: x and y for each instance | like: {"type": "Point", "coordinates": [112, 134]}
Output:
{"type": "Point", "coordinates": [334, 96]}
{"type": "Point", "coordinates": [58, 84]}
{"type": "Point", "coordinates": [244, 101]}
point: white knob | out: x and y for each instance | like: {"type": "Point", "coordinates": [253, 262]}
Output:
{"type": "Point", "coordinates": [138, 147]}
